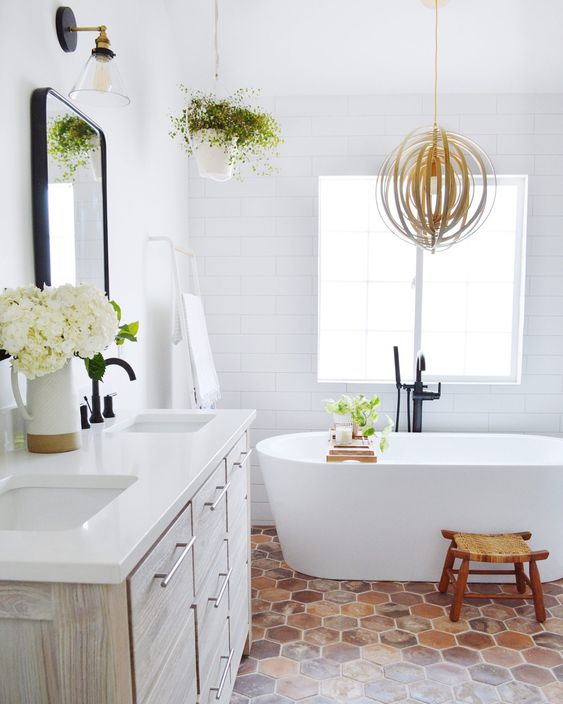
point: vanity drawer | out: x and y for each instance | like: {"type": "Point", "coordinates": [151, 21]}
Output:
{"type": "Point", "coordinates": [177, 681]}
{"type": "Point", "coordinates": [212, 601]}
{"type": "Point", "coordinates": [210, 635]}
{"type": "Point", "coordinates": [239, 537]}
{"type": "Point", "coordinates": [237, 455]}
{"type": "Point", "coordinates": [160, 606]}
{"type": "Point", "coordinates": [239, 608]}
{"type": "Point", "coordinates": [217, 686]}
{"type": "Point", "coordinates": [237, 493]}
{"type": "Point", "coordinates": [210, 522]}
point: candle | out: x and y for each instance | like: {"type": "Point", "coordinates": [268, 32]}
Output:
{"type": "Point", "coordinates": [343, 435]}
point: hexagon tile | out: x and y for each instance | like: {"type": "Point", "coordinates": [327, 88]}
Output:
{"type": "Point", "coordinates": [323, 641]}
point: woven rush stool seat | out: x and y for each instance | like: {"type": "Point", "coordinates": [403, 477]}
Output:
{"type": "Point", "coordinates": [492, 548]}
{"type": "Point", "coordinates": [510, 548]}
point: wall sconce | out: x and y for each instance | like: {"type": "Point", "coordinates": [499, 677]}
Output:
{"type": "Point", "coordinates": [99, 82]}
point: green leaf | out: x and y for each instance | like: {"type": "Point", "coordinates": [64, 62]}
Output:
{"type": "Point", "coordinates": [117, 309]}
{"type": "Point", "coordinates": [134, 327]}
{"type": "Point", "coordinates": [125, 336]}
{"type": "Point", "coordinates": [96, 367]}
{"type": "Point", "coordinates": [368, 432]}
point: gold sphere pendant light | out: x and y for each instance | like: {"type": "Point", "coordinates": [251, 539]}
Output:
{"type": "Point", "coordinates": [437, 187]}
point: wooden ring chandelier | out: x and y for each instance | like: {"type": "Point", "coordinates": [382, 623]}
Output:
{"type": "Point", "coordinates": [437, 187]}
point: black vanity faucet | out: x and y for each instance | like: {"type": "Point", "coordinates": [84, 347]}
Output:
{"type": "Point", "coordinates": [96, 416]}
{"type": "Point", "coordinates": [419, 394]}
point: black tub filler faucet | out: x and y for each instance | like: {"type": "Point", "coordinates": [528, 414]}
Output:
{"type": "Point", "coordinates": [416, 391]}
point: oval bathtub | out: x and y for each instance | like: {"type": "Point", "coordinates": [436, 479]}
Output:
{"type": "Point", "coordinates": [382, 521]}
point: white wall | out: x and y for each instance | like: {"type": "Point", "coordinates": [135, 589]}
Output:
{"type": "Point", "coordinates": [258, 244]}
{"type": "Point", "coordinates": [147, 173]}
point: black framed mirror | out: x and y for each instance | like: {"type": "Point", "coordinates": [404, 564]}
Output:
{"type": "Point", "coordinates": [69, 190]}
{"type": "Point", "coordinates": [69, 194]}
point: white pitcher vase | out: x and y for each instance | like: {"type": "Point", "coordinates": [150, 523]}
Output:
{"type": "Point", "coordinates": [52, 411]}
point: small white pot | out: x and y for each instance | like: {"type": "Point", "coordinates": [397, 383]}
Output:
{"type": "Point", "coordinates": [52, 411]}
{"type": "Point", "coordinates": [213, 161]}
{"type": "Point", "coordinates": [96, 164]}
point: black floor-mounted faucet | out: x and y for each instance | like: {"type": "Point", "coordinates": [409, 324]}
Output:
{"type": "Point", "coordinates": [96, 415]}
{"type": "Point", "coordinates": [419, 395]}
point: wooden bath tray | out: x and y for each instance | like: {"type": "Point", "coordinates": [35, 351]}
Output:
{"type": "Point", "coordinates": [360, 449]}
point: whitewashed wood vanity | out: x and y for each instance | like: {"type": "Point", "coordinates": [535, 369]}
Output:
{"type": "Point", "coordinates": [173, 630]}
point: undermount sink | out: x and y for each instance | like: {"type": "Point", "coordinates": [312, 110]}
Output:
{"type": "Point", "coordinates": [164, 422]}
{"type": "Point", "coordinates": [49, 502]}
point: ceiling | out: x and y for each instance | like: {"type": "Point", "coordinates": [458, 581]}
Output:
{"type": "Point", "coordinates": [372, 46]}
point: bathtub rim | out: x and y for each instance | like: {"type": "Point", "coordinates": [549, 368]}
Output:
{"type": "Point", "coordinates": [262, 444]}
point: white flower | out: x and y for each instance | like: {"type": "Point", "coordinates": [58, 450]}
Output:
{"type": "Point", "coordinates": [42, 329]}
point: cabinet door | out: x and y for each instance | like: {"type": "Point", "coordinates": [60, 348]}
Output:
{"type": "Point", "coordinates": [161, 597]}
{"type": "Point", "coordinates": [176, 683]}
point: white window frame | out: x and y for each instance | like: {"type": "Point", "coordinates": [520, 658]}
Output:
{"type": "Point", "coordinates": [515, 376]}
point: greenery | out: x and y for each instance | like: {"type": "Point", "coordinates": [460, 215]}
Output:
{"type": "Point", "coordinates": [251, 136]}
{"type": "Point", "coordinates": [363, 412]}
{"type": "Point", "coordinates": [70, 142]}
{"type": "Point", "coordinates": [96, 365]}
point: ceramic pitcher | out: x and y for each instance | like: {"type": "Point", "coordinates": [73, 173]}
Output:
{"type": "Point", "coordinates": [51, 412]}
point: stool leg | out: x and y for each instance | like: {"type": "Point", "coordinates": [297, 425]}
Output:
{"type": "Point", "coordinates": [448, 564]}
{"type": "Point", "coordinates": [459, 592]}
{"type": "Point", "coordinates": [537, 591]}
{"type": "Point", "coordinates": [520, 581]}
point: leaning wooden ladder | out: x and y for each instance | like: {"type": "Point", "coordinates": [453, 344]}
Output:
{"type": "Point", "coordinates": [176, 249]}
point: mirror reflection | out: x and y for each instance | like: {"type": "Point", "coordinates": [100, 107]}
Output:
{"type": "Point", "coordinates": [70, 222]}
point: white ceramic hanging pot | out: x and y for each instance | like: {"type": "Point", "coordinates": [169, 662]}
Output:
{"type": "Point", "coordinates": [96, 164]}
{"type": "Point", "coordinates": [52, 411]}
{"type": "Point", "coordinates": [213, 161]}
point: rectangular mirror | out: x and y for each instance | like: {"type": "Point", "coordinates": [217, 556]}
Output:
{"type": "Point", "coordinates": [68, 153]}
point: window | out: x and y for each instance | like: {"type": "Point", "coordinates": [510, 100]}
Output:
{"type": "Point", "coordinates": [463, 306]}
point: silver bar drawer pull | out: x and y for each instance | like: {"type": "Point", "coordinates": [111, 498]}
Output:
{"type": "Point", "coordinates": [167, 576]}
{"type": "Point", "coordinates": [213, 504]}
{"type": "Point", "coordinates": [243, 459]}
{"type": "Point", "coordinates": [219, 689]}
{"type": "Point", "coordinates": [217, 599]}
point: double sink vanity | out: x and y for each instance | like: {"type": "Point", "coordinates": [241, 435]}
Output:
{"type": "Point", "coordinates": [124, 566]}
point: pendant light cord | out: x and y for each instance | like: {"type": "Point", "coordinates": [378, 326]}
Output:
{"type": "Point", "coordinates": [436, 66]}
{"type": "Point", "coordinates": [216, 38]}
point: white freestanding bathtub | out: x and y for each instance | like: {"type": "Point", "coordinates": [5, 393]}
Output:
{"type": "Point", "coordinates": [347, 520]}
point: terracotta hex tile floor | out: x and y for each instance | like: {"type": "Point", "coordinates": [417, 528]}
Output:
{"type": "Point", "coordinates": [324, 641]}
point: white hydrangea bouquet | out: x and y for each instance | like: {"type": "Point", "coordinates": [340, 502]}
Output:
{"type": "Point", "coordinates": [41, 329]}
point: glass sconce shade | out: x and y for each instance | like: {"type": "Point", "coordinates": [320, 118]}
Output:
{"type": "Point", "coordinates": [100, 83]}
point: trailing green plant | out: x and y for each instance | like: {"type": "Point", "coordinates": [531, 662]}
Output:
{"type": "Point", "coordinates": [363, 412]}
{"type": "Point", "coordinates": [251, 135]}
{"type": "Point", "coordinates": [70, 143]}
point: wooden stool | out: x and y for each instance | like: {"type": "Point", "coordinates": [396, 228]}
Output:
{"type": "Point", "coordinates": [499, 548]}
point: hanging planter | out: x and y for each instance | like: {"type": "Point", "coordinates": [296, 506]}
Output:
{"type": "Point", "coordinates": [214, 159]}
{"type": "Point", "coordinates": [72, 143]}
{"type": "Point", "coordinates": [225, 133]}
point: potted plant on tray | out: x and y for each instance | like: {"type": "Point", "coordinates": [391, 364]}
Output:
{"type": "Point", "coordinates": [72, 143]}
{"type": "Point", "coordinates": [359, 412]}
{"type": "Point", "coordinates": [223, 133]}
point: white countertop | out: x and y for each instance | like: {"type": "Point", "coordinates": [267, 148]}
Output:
{"type": "Point", "coordinates": [169, 468]}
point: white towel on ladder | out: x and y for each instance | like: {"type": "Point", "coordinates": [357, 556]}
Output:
{"type": "Point", "coordinates": [206, 381]}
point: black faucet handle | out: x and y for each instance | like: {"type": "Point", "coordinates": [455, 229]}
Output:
{"type": "Point", "coordinates": [108, 405]}
{"type": "Point", "coordinates": [84, 424]}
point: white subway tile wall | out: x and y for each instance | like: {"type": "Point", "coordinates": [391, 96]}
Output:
{"type": "Point", "coordinates": [257, 244]}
